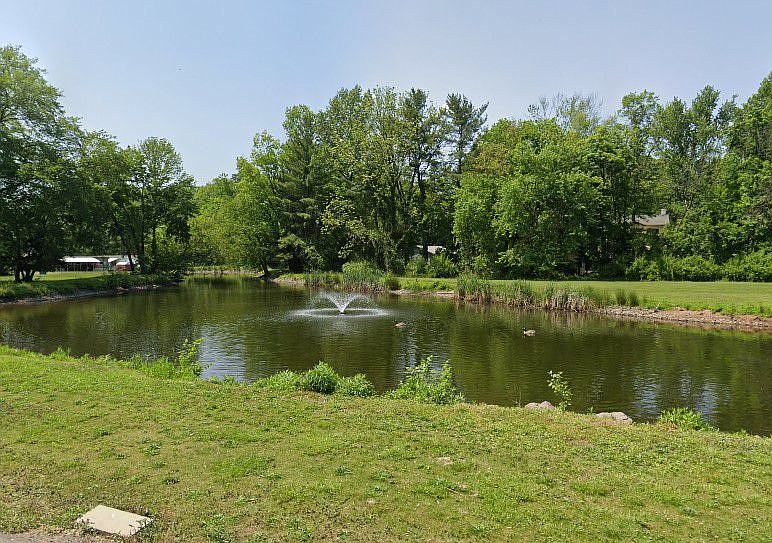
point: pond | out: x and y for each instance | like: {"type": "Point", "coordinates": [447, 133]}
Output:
{"type": "Point", "coordinates": [251, 330]}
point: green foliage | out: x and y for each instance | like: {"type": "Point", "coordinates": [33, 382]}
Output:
{"type": "Point", "coordinates": [424, 384]}
{"type": "Point", "coordinates": [755, 266]}
{"type": "Point", "coordinates": [471, 287]}
{"type": "Point", "coordinates": [362, 276]}
{"type": "Point", "coordinates": [390, 281]}
{"type": "Point", "coordinates": [441, 266]}
{"type": "Point", "coordinates": [560, 387]}
{"type": "Point", "coordinates": [321, 378]}
{"type": "Point", "coordinates": [416, 267]}
{"type": "Point", "coordinates": [284, 381]}
{"type": "Point", "coordinates": [358, 385]}
{"type": "Point", "coordinates": [684, 419]}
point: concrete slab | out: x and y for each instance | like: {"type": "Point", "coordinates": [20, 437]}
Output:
{"type": "Point", "coordinates": [113, 521]}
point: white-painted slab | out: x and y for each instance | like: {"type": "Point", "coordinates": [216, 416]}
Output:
{"type": "Point", "coordinates": [113, 521]}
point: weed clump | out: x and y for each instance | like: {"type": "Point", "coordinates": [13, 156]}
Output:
{"type": "Point", "coordinates": [685, 419]}
{"type": "Point", "coordinates": [358, 385]}
{"type": "Point", "coordinates": [321, 378]}
{"type": "Point", "coordinates": [424, 384]}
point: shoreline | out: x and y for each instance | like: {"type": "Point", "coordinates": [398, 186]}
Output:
{"type": "Point", "coordinates": [683, 317]}
{"type": "Point", "coordinates": [158, 444]}
{"type": "Point", "coordinates": [83, 292]}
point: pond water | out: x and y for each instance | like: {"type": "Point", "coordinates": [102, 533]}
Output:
{"type": "Point", "coordinates": [251, 330]}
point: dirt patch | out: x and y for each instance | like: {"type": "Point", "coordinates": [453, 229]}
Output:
{"type": "Point", "coordinates": [705, 318]}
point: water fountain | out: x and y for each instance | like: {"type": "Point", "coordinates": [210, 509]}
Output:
{"type": "Point", "coordinates": [341, 304]}
{"type": "Point", "coordinates": [341, 300]}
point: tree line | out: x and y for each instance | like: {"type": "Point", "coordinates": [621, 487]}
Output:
{"type": "Point", "coordinates": [64, 190]}
{"type": "Point", "coordinates": [381, 176]}
{"type": "Point", "coordinates": [377, 173]}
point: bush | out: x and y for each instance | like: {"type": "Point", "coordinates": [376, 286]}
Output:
{"type": "Point", "coordinates": [691, 268]}
{"type": "Point", "coordinates": [285, 381]}
{"type": "Point", "coordinates": [644, 270]}
{"type": "Point", "coordinates": [685, 419]}
{"type": "Point", "coordinates": [358, 385]}
{"type": "Point", "coordinates": [321, 378]}
{"type": "Point", "coordinates": [441, 266]}
{"type": "Point", "coordinates": [426, 385]}
{"type": "Point", "coordinates": [755, 266]}
{"type": "Point", "coordinates": [416, 267]}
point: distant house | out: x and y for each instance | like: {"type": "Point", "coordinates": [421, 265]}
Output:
{"type": "Point", "coordinates": [418, 250]}
{"type": "Point", "coordinates": [652, 222]}
{"type": "Point", "coordinates": [81, 263]}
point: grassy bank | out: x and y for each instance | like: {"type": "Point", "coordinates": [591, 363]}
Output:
{"type": "Point", "coordinates": [69, 283]}
{"type": "Point", "coordinates": [227, 462]}
{"type": "Point", "coordinates": [719, 296]}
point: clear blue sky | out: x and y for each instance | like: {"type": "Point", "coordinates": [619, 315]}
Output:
{"type": "Point", "coordinates": [208, 75]}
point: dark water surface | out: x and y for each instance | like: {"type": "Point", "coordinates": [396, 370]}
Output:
{"type": "Point", "coordinates": [251, 330]}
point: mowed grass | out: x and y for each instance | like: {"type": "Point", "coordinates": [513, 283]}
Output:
{"type": "Point", "coordinates": [59, 276]}
{"type": "Point", "coordinates": [227, 462]}
{"type": "Point", "coordinates": [719, 296]}
{"type": "Point", "coordinates": [66, 283]}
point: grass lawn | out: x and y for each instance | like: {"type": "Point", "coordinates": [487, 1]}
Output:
{"type": "Point", "coordinates": [226, 462]}
{"type": "Point", "coordinates": [722, 296]}
{"type": "Point", "coordinates": [63, 283]}
{"type": "Point", "coordinates": [58, 276]}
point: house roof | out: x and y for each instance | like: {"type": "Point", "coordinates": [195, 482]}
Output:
{"type": "Point", "coordinates": [81, 260]}
{"type": "Point", "coordinates": [661, 219]}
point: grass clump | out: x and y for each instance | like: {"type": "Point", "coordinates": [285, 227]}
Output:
{"type": "Point", "coordinates": [685, 419]}
{"type": "Point", "coordinates": [358, 385]}
{"type": "Point", "coordinates": [471, 287]}
{"type": "Point", "coordinates": [284, 381]}
{"type": "Point", "coordinates": [321, 279]}
{"type": "Point", "coordinates": [426, 385]}
{"type": "Point", "coordinates": [362, 276]}
{"type": "Point", "coordinates": [185, 365]}
{"type": "Point", "coordinates": [322, 378]}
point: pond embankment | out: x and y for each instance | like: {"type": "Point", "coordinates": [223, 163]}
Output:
{"type": "Point", "coordinates": [232, 462]}
{"type": "Point", "coordinates": [108, 284]}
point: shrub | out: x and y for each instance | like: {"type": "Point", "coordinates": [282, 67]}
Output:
{"type": "Point", "coordinates": [755, 266]}
{"type": "Point", "coordinates": [643, 269]}
{"type": "Point", "coordinates": [285, 381]}
{"type": "Point", "coordinates": [416, 267]}
{"type": "Point", "coordinates": [426, 385]}
{"type": "Point", "coordinates": [691, 268]}
{"type": "Point", "coordinates": [685, 419]}
{"type": "Point", "coordinates": [358, 385]}
{"type": "Point", "coordinates": [441, 266]}
{"type": "Point", "coordinates": [321, 378]}
{"type": "Point", "coordinates": [559, 385]}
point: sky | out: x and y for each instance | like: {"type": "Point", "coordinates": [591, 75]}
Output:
{"type": "Point", "coordinates": [209, 75]}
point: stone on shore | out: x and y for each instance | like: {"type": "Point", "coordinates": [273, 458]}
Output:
{"type": "Point", "coordinates": [616, 416]}
{"type": "Point", "coordinates": [542, 405]}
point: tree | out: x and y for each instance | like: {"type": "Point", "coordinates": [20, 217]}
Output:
{"type": "Point", "coordinates": [464, 121]}
{"type": "Point", "coordinates": [38, 186]}
{"type": "Point", "coordinates": [423, 144]}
